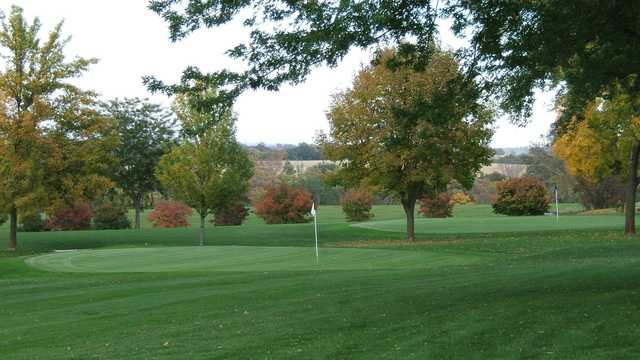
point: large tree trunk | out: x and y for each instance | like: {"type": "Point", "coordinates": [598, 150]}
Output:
{"type": "Point", "coordinates": [409, 206]}
{"type": "Point", "coordinates": [137, 205]}
{"type": "Point", "coordinates": [632, 186]}
{"type": "Point", "coordinates": [202, 222]}
{"type": "Point", "coordinates": [13, 229]}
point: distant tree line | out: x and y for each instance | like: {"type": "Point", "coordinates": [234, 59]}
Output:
{"type": "Point", "coordinates": [302, 151]}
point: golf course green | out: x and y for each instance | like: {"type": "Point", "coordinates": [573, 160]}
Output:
{"type": "Point", "coordinates": [255, 292]}
{"type": "Point", "coordinates": [241, 258]}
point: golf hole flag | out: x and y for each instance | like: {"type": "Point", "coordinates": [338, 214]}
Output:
{"type": "Point", "coordinates": [315, 226]}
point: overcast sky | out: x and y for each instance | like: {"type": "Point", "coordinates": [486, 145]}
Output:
{"type": "Point", "coordinates": [131, 42]}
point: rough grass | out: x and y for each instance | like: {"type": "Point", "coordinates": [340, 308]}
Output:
{"type": "Point", "coordinates": [566, 294]}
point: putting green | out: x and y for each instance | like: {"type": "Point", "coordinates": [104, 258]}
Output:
{"type": "Point", "coordinates": [457, 225]}
{"type": "Point", "coordinates": [241, 258]}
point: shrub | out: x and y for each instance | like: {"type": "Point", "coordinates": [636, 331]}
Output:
{"type": "Point", "coordinates": [356, 205]}
{"type": "Point", "coordinates": [439, 206]}
{"type": "Point", "coordinates": [521, 196]}
{"type": "Point", "coordinates": [170, 214]}
{"type": "Point", "coordinates": [109, 216]}
{"type": "Point", "coordinates": [77, 217]}
{"type": "Point", "coordinates": [460, 198]}
{"type": "Point", "coordinates": [234, 214]}
{"type": "Point", "coordinates": [606, 193]}
{"type": "Point", "coordinates": [283, 204]}
{"type": "Point", "coordinates": [32, 222]}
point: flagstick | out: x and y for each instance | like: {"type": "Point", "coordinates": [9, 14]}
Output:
{"type": "Point", "coordinates": [315, 226]}
{"type": "Point", "coordinates": [557, 207]}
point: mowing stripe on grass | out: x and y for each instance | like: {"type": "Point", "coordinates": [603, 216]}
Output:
{"type": "Point", "coordinates": [242, 258]}
{"type": "Point", "coordinates": [494, 224]}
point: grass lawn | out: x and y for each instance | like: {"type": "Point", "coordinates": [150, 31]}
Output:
{"type": "Point", "coordinates": [540, 292]}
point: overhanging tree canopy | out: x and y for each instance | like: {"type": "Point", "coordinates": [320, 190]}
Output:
{"type": "Point", "coordinates": [290, 38]}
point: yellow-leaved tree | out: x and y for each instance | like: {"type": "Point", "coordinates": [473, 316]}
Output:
{"type": "Point", "coordinates": [602, 141]}
{"type": "Point", "coordinates": [54, 144]}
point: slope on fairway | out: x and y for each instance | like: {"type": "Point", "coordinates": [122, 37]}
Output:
{"type": "Point", "coordinates": [491, 224]}
{"type": "Point", "coordinates": [241, 258]}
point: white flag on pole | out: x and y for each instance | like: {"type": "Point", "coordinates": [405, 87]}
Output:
{"type": "Point", "coordinates": [315, 227]}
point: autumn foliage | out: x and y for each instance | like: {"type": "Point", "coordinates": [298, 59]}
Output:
{"type": "Point", "coordinates": [521, 196]}
{"type": "Point", "coordinates": [170, 214]}
{"type": "Point", "coordinates": [77, 217]}
{"type": "Point", "coordinates": [439, 206]}
{"type": "Point", "coordinates": [356, 205]}
{"type": "Point", "coordinates": [460, 198]}
{"type": "Point", "coordinates": [232, 214]}
{"type": "Point", "coordinates": [282, 204]}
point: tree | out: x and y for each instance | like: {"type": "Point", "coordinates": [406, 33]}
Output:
{"type": "Point", "coordinates": [607, 192]}
{"type": "Point", "coordinates": [313, 181]}
{"type": "Point", "coordinates": [303, 151]}
{"type": "Point", "coordinates": [209, 169]}
{"type": "Point", "coordinates": [145, 132]}
{"type": "Point", "coordinates": [550, 169]}
{"type": "Point", "coordinates": [585, 48]}
{"type": "Point", "coordinates": [409, 133]}
{"type": "Point", "coordinates": [54, 144]}
{"type": "Point", "coordinates": [306, 34]}
{"type": "Point", "coordinates": [602, 141]}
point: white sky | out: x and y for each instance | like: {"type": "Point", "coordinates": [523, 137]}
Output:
{"type": "Point", "coordinates": [131, 42]}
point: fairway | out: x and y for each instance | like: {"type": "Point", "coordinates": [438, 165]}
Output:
{"type": "Point", "coordinates": [486, 224]}
{"type": "Point", "coordinates": [458, 292]}
{"type": "Point", "coordinates": [241, 258]}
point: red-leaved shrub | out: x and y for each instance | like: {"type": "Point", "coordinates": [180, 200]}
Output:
{"type": "Point", "coordinates": [356, 205]}
{"type": "Point", "coordinates": [170, 214]}
{"type": "Point", "coordinates": [77, 217]}
{"type": "Point", "coordinates": [282, 204]}
{"type": "Point", "coordinates": [439, 206]}
{"type": "Point", "coordinates": [233, 214]}
{"type": "Point", "coordinates": [521, 196]}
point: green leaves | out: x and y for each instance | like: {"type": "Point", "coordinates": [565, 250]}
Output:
{"type": "Point", "coordinates": [290, 38]}
{"type": "Point", "coordinates": [208, 169]}
{"type": "Point", "coordinates": [408, 132]}
{"type": "Point", "coordinates": [145, 132]}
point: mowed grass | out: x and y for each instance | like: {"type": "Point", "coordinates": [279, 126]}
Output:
{"type": "Point", "coordinates": [499, 224]}
{"type": "Point", "coordinates": [553, 294]}
{"type": "Point", "coordinates": [242, 258]}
